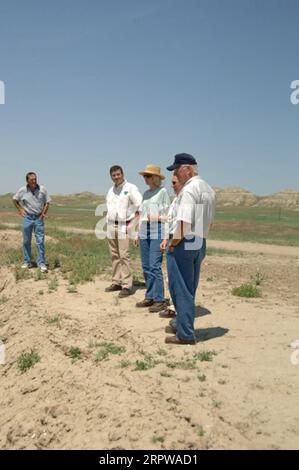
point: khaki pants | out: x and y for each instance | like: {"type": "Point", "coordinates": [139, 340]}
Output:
{"type": "Point", "coordinates": [119, 250]}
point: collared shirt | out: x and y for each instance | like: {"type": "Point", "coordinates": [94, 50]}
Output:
{"type": "Point", "coordinates": [196, 207]}
{"type": "Point", "coordinates": [155, 203]}
{"type": "Point", "coordinates": [123, 202]}
{"type": "Point", "coordinates": [172, 215]}
{"type": "Point", "coordinates": [32, 202]}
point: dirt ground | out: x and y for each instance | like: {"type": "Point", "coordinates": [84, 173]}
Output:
{"type": "Point", "coordinates": [245, 398]}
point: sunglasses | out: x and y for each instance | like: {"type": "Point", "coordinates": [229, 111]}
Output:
{"type": "Point", "coordinates": [147, 176]}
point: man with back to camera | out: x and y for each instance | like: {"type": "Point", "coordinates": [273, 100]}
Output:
{"type": "Point", "coordinates": [187, 246]}
{"type": "Point", "coordinates": [123, 201]}
{"type": "Point", "coordinates": [32, 202]}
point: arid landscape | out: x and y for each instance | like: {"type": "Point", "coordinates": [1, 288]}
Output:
{"type": "Point", "coordinates": [87, 370]}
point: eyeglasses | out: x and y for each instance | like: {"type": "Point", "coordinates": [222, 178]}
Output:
{"type": "Point", "coordinates": [147, 176]}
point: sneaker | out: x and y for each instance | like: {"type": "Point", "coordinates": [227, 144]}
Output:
{"type": "Point", "coordinates": [145, 303]}
{"type": "Point", "coordinates": [43, 268]}
{"type": "Point", "coordinates": [113, 288]}
{"type": "Point", "coordinates": [26, 266]}
{"type": "Point", "coordinates": [157, 307]}
{"type": "Point", "coordinates": [125, 292]}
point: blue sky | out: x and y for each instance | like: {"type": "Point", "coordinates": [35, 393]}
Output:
{"type": "Point", "coordinates": [93, 83]}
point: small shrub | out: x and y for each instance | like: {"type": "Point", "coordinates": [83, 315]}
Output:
{"type": "Point", "coordinates": [247, 290]}
{"type": "Point", "coordinates": [185, 365]}
{"type": "Point", "coordinates": [204, 356]}
{"type": "Point", "coordinates": [3, 299]}
{"type": "Point", "coordinates": [156, 439]}
{"type": "Point", "coordinates": [72, 289]}
{"type": "Point", "coordinates": [164, 373]}
{"type": "Point", "coordinates": [53, 285]}
{"type": "Point", "coordinates": [257, 279]}
{"type": "Point", "coordinates": [201, 377]}
{"type": "Point", "coordinates": [145, 364]}
{"type": "Point", "coordinates": [27, 360]}
{"type": "Point", "coordinates": [75, 353]}
{"type": "Point", "coordinates": [200, 431]}
{"type": "Point", "coordinates": [125, 363]}
{"type": "Point", "coordinates": [54, 319]}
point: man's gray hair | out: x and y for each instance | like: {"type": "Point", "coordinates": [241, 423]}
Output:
{"type": "Point", "coordinates": [195, 168]}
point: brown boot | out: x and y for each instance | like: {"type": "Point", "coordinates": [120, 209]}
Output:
{"type": "Point", "coordinates": [145, 303]}
{"type": "Point", "coordinates": [157, 307]}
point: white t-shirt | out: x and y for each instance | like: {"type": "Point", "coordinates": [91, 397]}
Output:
{"type": "Point", "coordinates": [122, 202]}
{"type": "Point", "coordinates": [196, 207]}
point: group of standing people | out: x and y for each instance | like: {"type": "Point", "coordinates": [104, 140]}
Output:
{"type": "Point", "coordinates": [179, 227]}
{"type": "Point", "coordinates": [155, 224]}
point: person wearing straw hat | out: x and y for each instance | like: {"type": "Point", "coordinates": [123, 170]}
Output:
{"type": "Point", "coordinates": [153, 215]}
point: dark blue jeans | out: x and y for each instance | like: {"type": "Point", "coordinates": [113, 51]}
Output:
{"type": "Point", "coordinates": [31, 223]}
{"type": "Point", "coordinates": [183, 266]}
{"type": "Point", "coordinates": [151, 259]}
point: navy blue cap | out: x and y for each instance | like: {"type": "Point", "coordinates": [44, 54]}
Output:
{"type": "Point", "coordinates": [182, 159]}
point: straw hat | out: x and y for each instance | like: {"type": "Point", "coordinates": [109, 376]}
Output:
{"type": "Point", "coordinates": [152, 170]}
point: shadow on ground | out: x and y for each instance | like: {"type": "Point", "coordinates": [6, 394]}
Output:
{"type": "Point", "coordinates": [201, 311]}
{"type": "Point", "coordinates": [204, 334]}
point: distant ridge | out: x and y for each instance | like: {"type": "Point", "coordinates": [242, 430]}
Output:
{"type": "Point", "coordinates": [226, 197]}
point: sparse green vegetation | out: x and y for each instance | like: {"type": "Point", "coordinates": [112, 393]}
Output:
{"type": "Point", "coordinates": [156, 439]}
{"type": "Point", "coordinates": [125, 363]}
{"type": "Point", "coordinates": [216, 403]}
{"type": "Point", "coordinates": [247, 290]}
{"type": "Point", "coordinates": [3, 299]}
{"type": "Point", "coordinates": [101, 355]}
{"type": "Point", "coordinates": [22, 274]}
{"type": "Point", "coordinates": [204, 356]}
{"type": "Point", "coordinates": [164, 373]}
{"type": "Point", "coordinates": [146, 363]}
{"type": "Point", "coordinates": [71, 289]}
{"type": "Point", "coordinates": [75, 353]}
{"type": "Point", "coordinates": [162, 352]}
{"type": "Point", "coordinates": [222, 381]}
{"type": "Point", "coordinates": [183, 364]}
{"type": "Point", "coordinates": [54, 320]}
{"type": "Point", "coordinates": [201, 377]}
{"type": "Point", "coordinates": [257, 279]}
{"type": "Point", "coordinates": [200, 431]}
{"type": "Point", "coordinates": [107, 348]}
{"type": "Point", "coordinates": [53, 285]}
{"type": "Point", "coordinates": [27, 360]}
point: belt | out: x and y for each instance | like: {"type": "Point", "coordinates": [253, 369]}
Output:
{"type": "Point", "coordinates": [116, 222]}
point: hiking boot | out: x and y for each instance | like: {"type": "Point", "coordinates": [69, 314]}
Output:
{"type": "Point", "coordinates": [125, 292]}
{"type": "Point", "coordinates": [169, 329]}
{"type": "Point", "coordinates": [175, 340]}
{"type": "Point", "coordinates": [144, 303]}
{"type": "Point", "coordinates": [157, 307]}
{"type": "Point", "coordinates": [167, 313]}
{"type": "Point", "coordinates": [113, 288]}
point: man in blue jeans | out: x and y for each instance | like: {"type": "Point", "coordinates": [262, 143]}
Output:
{"type": "Point", "coordinates": [32, 202]}
{"type": "Point", "coordinates": [187, 247]}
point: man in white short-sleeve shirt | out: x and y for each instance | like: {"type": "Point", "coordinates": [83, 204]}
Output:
{"type": "Point", "coordinates": [123, 201]}
{"type": "Point", "coordinates": [187, 246]}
